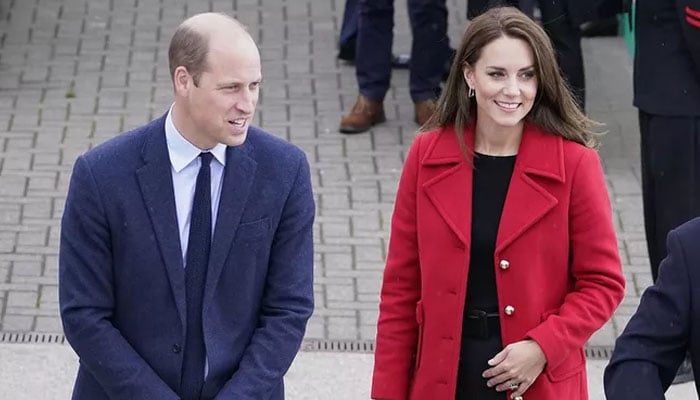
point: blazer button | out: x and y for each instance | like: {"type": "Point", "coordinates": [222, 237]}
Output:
{"type": "Point", "coordinates": [504, 264]}
{"type": "Point", "coordinates": [518, 398]}
{"type": "Point", "coordinates": [509, 310]}
{"type": "Point", "coordinates": [177, 348]}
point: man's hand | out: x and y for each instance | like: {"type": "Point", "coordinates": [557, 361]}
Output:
{"type": "Point", "coordinates": [516, 367]}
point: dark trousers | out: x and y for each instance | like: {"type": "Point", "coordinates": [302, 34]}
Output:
{"type": "Point", "coordinates": [474, 357]}
{"type": "Point", "coordinates": [670, 155]}
{"type": "Point", "coordinates": [348, 30]}
{"type": "Point", "coordinates": [564, 34]}
{"type": "Point", "coordinates": [429, 51]}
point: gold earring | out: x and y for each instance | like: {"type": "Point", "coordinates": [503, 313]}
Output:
{"type": "Point", "coordinates": [472, 92]}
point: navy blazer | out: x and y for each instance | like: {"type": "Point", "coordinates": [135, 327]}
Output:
{"type": "Point", "coordinates": [665, 326]}
{"type": "Point", "coordinates": [122, 282]}
{"type": "Point", "coordinates": [666, 63]}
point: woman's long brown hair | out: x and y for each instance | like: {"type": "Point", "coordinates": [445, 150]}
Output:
{"type": "Point", "coordinates": [554, 109]}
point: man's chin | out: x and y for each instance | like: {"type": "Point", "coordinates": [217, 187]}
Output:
{"type": "Point", "coordinates": [236, 138]}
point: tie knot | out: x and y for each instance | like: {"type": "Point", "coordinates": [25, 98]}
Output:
{"type": "Point", "coordinates": [206, 158]}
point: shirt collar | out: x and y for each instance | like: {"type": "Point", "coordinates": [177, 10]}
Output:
{"type": "Point", "coordinates": [181, 151]}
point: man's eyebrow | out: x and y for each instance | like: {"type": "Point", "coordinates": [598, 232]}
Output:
{"type": "Point", "coordinates": [234, 83]}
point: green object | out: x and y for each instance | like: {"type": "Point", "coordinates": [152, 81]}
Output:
{"type": "Point", "coordinates": [628, 30]}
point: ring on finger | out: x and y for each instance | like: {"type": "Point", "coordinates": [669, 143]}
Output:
{"type": "Point", "coordinates": [513, 386]}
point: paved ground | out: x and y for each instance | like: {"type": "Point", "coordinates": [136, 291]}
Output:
{"type": "Point", "coordinates": [46, 372]}
{"type": "Point", "coordinates": [76, 72]}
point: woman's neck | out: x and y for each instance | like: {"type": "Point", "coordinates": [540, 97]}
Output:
{"type": "Point", "coordinates": [497, 141]}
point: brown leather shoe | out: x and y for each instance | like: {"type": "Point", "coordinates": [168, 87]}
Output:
{"type": "Point", "coordinates": [424, 110]}
{"type": "Point", "coordinates": [364, 114]}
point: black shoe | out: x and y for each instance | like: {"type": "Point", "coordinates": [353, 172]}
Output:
{"type": "Point", "coordinates": [685, 372]}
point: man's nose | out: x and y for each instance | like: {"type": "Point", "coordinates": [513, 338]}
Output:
{"type": "Point", "coordinates": [246, 102]}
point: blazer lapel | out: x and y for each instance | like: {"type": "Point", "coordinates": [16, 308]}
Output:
{"type": "Point", "coordinates": [540, 156]}
{"type": "Point", "coordinates": [239, 176]}
{"type": "Point", "coordinates": [156, 185]}
{"type": "Point", "coordinates": [450, 191]}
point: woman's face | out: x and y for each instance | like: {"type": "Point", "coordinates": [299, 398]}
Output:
{"type": "Point", "coordinates": [505, 83]}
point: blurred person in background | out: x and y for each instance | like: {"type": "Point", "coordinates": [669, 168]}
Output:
{"type": "Point", "coordinates": [667, 94]}
{"type": "Point", "coordinates": [430, 49]}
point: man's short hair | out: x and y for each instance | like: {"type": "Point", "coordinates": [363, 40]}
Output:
{"type": "Point", "coordinates": [188, 48]}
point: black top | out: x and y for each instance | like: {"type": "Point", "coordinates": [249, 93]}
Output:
{"type": "Point", "coordinates": [491, 178]}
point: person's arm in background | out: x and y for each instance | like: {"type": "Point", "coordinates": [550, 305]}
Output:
{"type": "Point", "coordinates": [689, 14]}
{"type": "Point", "coordinates": [654, 342]}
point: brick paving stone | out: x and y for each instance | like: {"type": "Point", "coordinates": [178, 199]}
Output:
{"type": "Point", "coordinates": [50, 324]}
{"type": "Point", "coordinates": [342, 327]}
{"type": "Point", "coordinates": [17, 323]}
{"type": "Point", "coordinates": [339, 293]}
{"type": "Point", "coordinates": [17, 299]}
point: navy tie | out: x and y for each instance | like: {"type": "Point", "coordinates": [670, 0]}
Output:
{"type": "Point", "coordinates": [198, 247]}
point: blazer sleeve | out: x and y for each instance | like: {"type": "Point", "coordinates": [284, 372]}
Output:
{"type": "Point", "coordinates": [397, 328]}
{"type": "Point", "coordinates": [87, 299]}
{"type": "Point", "coordinates": [288, 299]}
{"type": "Point", "coordinates": [597, 283]}
{"type": "Point", "coordinates": [654, 342]}
{"type": "Point", "coordinates": [689, 14]}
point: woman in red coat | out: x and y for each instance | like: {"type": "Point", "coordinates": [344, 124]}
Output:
{"type": "Point", "coordinates": [503, 259]}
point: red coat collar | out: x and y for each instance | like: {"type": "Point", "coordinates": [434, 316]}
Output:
{"type": "Point", "coordinates": [540, 153]}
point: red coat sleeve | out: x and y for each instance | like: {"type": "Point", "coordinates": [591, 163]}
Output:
{"type": "Point", "coordinates": [598, 283]}
{"type": "Point", "coordinates": [397, 328]}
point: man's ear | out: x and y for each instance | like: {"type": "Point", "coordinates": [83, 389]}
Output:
{"type": "Point", "coordinates": [182, 80]}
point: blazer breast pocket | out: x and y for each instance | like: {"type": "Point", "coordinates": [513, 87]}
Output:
{"type": "Point", "coordinates": [254, 231]}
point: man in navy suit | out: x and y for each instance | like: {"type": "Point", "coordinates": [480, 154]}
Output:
{"type": "Point", "coordinates": [127, 296]}
{"type": "Point", "coordinates": [665, 326]}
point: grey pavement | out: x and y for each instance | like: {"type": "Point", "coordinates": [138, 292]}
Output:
{"type": "Point", "coordinates": [32, 371]}
{"type": "Point", "coordinates": [74, 73]}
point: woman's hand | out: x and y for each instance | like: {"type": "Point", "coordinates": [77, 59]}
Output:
{"type": "Point", "coordinates": [516, 367]}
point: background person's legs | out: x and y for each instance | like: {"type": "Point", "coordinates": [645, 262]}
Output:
{"type": "Point", "coordinates": [374, 40]}
{"type": "Point", "coordinates": [670, 155]}
{"type": "Point", "coordinates": [430, 48]}
{"type": "Point", "coordinates": [566, 38]}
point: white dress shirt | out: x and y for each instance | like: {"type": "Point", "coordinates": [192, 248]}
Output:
{"type": "Point", "coordinates": [185, 163]}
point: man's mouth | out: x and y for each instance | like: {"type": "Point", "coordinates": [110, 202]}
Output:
{"type": "Point", "coordinates": [238, 122]}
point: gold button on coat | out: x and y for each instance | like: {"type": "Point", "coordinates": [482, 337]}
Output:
{"type": "Point", "coordinates": [504, 264]}
{"type": "Point", "coordinates": [509, 310]}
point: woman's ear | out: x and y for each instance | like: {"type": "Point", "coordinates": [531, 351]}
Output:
{"type": "Point", "coordinates": [468, 73]}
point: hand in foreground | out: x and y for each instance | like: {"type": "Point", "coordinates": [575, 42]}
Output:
{"type": "Point", "coordinates": [516, 367]}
